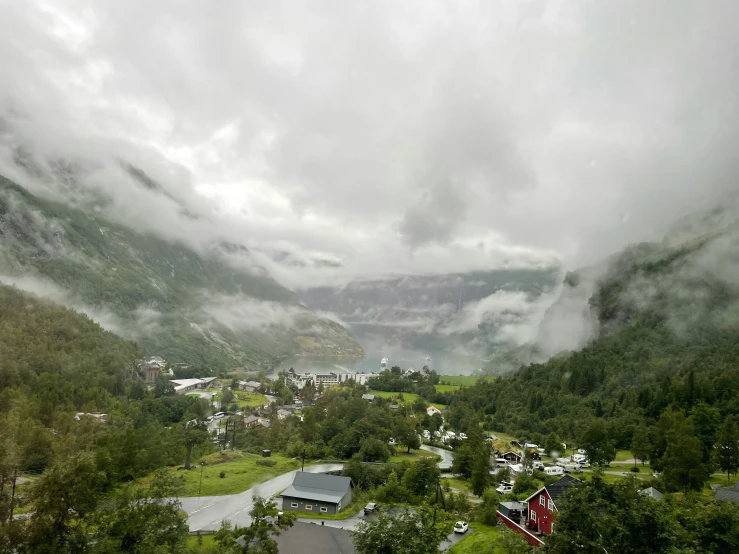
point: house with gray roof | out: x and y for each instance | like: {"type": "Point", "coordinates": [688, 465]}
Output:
{"type": "Point", "coordinates": [369, 397]}
{"type": "Point", "coordinates": [728, 494]}
{"type": "Point", "coordinates": [651, 492]}
{"type": "Point", "coordinates": [318, 493]}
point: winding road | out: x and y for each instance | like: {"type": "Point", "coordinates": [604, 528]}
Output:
{"type": "Point", "coordinates": [207, 513]}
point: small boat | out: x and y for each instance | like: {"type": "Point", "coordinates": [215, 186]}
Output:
{"type": "Point", "coordinates": [383, 362]}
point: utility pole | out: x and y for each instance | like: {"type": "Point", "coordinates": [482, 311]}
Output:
{"type": "Point", "coordinates": [200, 486]}
{"type": "Point", "coordinates": [12, 496]}
{"type": "Point", "coordinates": [302, 467]}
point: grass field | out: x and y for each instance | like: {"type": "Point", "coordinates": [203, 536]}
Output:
{"type": "Point", "coordinates": [459, 484]}
{"type": "Point", "coordinates": [241, 469]}
{"type": "Point", "coordinates": [466, 380]}
{"type": "Point", "coordinates": [408, 397]}
{"type": "Point", "coordinates": [480, 539]}
{"type": "Point", "coordinates": [446, 388]}
{"type": "Point", "coordinates": [207, 545]}
{"type": "Point", "coordinates": [402, 456]}
{"type": "Point", "coordinates": [249, 399]}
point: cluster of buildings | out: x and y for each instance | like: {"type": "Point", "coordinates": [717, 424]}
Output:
{"type": "Point", "coordinates": [299, 380]}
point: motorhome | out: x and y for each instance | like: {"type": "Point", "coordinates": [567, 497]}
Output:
{"type": "Point", "coordinates": [554, 470]}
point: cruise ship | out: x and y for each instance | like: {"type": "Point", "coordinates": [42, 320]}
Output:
{"type": "Point", "coordinates": [383, 363]}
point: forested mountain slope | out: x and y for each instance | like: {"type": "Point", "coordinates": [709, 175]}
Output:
{"type": "Point", "coordinates": [666, 353]}
{"type": "Point", "coordinates": [172, 300]}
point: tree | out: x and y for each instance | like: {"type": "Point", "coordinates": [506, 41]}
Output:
{"type": "Point", "coordinates": [597, 444]}
{"type": "Point", "coordinates": [406, 434]}
{"type": "Point", "coordinates": [62, 497]}
{"type": "Point", "coordinates": [227, 396]}
{"type": "Point", "coordinates": [419, 405]}
{"type": "Point", "coordinates": [163, 387]}
{"type": "Point", "coordinates": [553, 444]}
{"type": "Point", "coordinates": [143, 520]}
{"type": "Point", "coordinates": [195, 432]}
{"type": "Point", "coordinates": [258, 538]}
{"type": "Point", "coordinates": [481, 470]}
{"type": "Point", "coordinates": [683, 460]}
{"type": "Point", "coordinates": [421, 478]}
{"type": "Point", "coordinates": [726, 453]}
{"type": "Point", "coordinates": [410, 532]}
{"type": "Point", "coordinates": [640, 444]}
{"type": "Point", "coordinates": [374, 450]}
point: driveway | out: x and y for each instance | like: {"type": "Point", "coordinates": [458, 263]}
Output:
{"type": "Point", "coordinates": [447, 457]}
{"type": "Point", "coordinates": [205, 513]}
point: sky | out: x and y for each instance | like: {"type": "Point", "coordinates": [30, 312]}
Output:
{"type": "Point", "coordinates": [392, 137]}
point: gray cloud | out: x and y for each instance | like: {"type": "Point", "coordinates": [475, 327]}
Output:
{"type": "Point", "coordinates": [393, 136]}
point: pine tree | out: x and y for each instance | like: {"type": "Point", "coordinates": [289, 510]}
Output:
{"type": "Point", "coordinates": [640, 444]}
{"type": "Point", "coordinates": [727, 448]}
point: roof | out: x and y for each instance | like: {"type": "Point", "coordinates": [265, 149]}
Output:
{"type": "Point", "coordinates": [651, 492]}
{"type": "Point", "coordinates": [284, 412]}
{"type": "Point", "coordinates": [319, 487]}
{"type": "Point", "coordinates": [320, 538]}
{"type": "Point", "coordinates": [368, 397]}
{"type": "Point", "coordinates": [557, 489]}
{"type": "Point", "coordinates": [250, 419]}
{"type": "Point", "coordinates": [728, 494]}
{"type": "Point", "coordinates": [252, 384]}
{"type": "Point", "coordinates": [513, 505]}
{"type": "Point", "coordinates": [180, 384]}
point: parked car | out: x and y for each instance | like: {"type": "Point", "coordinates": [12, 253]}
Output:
{"type": "Point", "coordinates": [584, 463]}
{"type": "Point", "coordinates": [581, 451]}
{"type": "Point", "coordinates": [539, 466]}
{"type": "Point", "coordinates": [219, 415]}
{"type": "Point", "coordinates": [504, 488]}
{"type": "Point", "coordinates": [371, 508]}
{"type": "Point", "coordinates": [461, 527]}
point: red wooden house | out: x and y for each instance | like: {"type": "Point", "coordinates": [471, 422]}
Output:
{"type": "Point", "coordinates": [543, 505]}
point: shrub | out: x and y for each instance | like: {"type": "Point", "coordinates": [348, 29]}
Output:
{"type": "Point", "coordinates": [266, 463]}
{"type": "Point", "coordinates": [223, 474]}
{"type": "Point", "coordinates": [634, 469]}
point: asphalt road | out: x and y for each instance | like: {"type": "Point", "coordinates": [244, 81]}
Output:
{"type": "Point", "coordinates": [208, 512]}
{"type": "Point", "coordinates": [205, 513]}
{"type": "Point", "coordinates": [447, 457]}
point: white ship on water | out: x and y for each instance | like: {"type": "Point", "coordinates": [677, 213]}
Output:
{"type": "Point", "coordinates": [383, 363]}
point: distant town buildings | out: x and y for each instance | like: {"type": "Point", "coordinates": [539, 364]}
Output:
{"type": "Point", "coordinates": [326, 379]}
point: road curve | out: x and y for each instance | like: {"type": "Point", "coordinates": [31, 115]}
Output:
{"type": "Point", "coordinates": [205, 513]}
{"type": "Point", "coordinates": [447, 457]}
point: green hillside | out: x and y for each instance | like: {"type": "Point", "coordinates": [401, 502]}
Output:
{"type": "Point", "coordinates": [666, 356]}
{"type": "Point", "coordinates": [167, 297]}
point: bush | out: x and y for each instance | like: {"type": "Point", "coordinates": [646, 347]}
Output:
{"type": "Point", "coordinates": [266, 463]}
{"type": "Point", "coordinates": [222, 474]}
{"type": "Point", "coordinates": [634, 469]}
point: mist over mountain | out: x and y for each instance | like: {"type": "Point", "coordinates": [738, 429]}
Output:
{"type": "Point", "coordinates": [186, 305]}
{"type": "Point", "coordinates": [465, 313]}
{"type": "Point", "coordinates": [686, 286]}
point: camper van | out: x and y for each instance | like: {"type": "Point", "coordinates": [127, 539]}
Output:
{"type": "Point", "coordinates": [501, 462]}
{"type": "Point", "coordinates": [573, 468]}
{"type": "Point", "coordinates": [554, 470]}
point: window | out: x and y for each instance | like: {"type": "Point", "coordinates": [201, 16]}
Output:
{"type": "Point", "coordinates": [294, 505]}
{"type": "Point", "coordinates": [542, 500]}
{"type": "Point", "coordinates": [533, 516]}
{"type": "Point", "coordinates": [309, 507]}
{"type": "Point", "coordinates": [324, 510]}
{"type": "Point", "coordinates": [551, 504]}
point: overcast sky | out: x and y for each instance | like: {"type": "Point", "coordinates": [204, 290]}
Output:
{"type": "Point", "coordinates": [415, 135]}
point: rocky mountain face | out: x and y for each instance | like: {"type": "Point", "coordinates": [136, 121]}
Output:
{"type": "Point", "coordinates": [466, 312]}
{"type": "Point", "coordinates": [186, 305]}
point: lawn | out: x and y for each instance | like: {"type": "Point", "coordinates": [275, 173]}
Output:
{"type": "Point", "coordinates": [446, 388]}
{"type": "Point", "coordinates": [249, 399]}
{"type": "Point", "coordinates": [479, 539]}
{"type": "Point", "coordinates": [408, 397]}
{"type": "Point", "coordinates": [458, 484]}
{"type": "Point", "coordinates": [207, 545]}
{"type": "Point", "coordinates": [466, 380]}
{"type": "Point", "coordinates": [241, 473]}
{"type": "Point", "coordinates": [402, 456]}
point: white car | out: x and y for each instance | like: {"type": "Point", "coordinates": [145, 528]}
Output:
{"type": "Point", "coordinates": [504, 488]}
{"type": "Point", "coordinates": [581, 451]}
{"type": "Point", "coordinates": [461, 527]}
{"type": "Point", "coordinates": [585, 463]}
{"type": "Point", "coordinates": [219, 415]}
